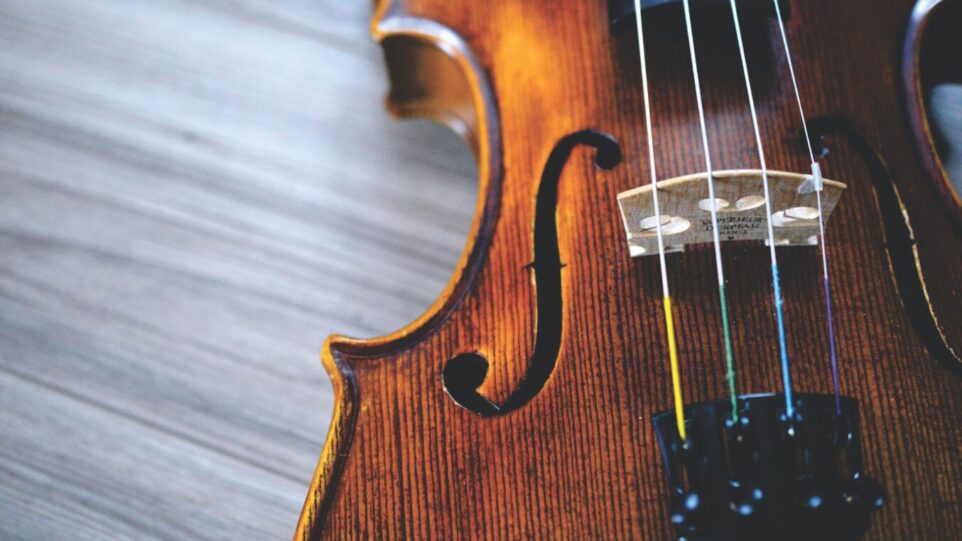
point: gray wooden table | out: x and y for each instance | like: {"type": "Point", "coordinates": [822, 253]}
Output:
{"type": "Point", "coordinates": [192, 195]}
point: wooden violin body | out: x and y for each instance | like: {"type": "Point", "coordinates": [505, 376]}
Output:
{"type": "Point", "coordinates": [520, 404]}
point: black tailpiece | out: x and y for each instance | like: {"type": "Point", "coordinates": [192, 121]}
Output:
{"type": "Point", "coordinates": [765, 476]}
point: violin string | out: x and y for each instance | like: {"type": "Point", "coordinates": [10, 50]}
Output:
{"type": "Point", "coordinates": [776, 284]}
{"type": "Point", "coordinates": [666, 295]}
{"type": "Point", "coordinates": [818, 182]}
{"type": "Point", "coordinates": [726, 330]}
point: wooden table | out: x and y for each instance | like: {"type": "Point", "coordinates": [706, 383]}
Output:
{"type": "Point", "coordinates": [192, 196]}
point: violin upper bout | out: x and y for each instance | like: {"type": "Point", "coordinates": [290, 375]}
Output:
{"type": "Point", "coordinates": [430, 70]}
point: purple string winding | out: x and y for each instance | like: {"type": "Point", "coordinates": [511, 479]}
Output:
{"type": "Point", "coordinates": [831, 343]}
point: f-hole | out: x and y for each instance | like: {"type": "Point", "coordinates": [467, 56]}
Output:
{"type": "Point", "coordinates": [899, 238]}
{"type": "Point", "coordinates": [464, 373]}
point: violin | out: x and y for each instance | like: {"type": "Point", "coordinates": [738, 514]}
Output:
{"type": "Point", "coordinates": [711, 290]}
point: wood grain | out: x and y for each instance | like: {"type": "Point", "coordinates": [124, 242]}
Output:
{"type": "Point", "coordinates": [192, 195]}
{"type": "Point", "coordinates": [580, 460]}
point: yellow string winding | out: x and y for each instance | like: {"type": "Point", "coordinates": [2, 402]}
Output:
{"type": "Point", "coordinates": [675, 371]}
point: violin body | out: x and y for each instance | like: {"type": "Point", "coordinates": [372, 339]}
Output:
{"type": "Point", "coordinates": [520, 404]}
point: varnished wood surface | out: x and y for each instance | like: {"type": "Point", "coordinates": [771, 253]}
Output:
{"type": "Point", "coordinates": [192, 195]}
{"type": "Point", "coordinates": [579, 460]}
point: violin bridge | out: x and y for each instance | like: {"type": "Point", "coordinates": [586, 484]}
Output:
{"type": "Point", "coordinates": [686, 210]}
